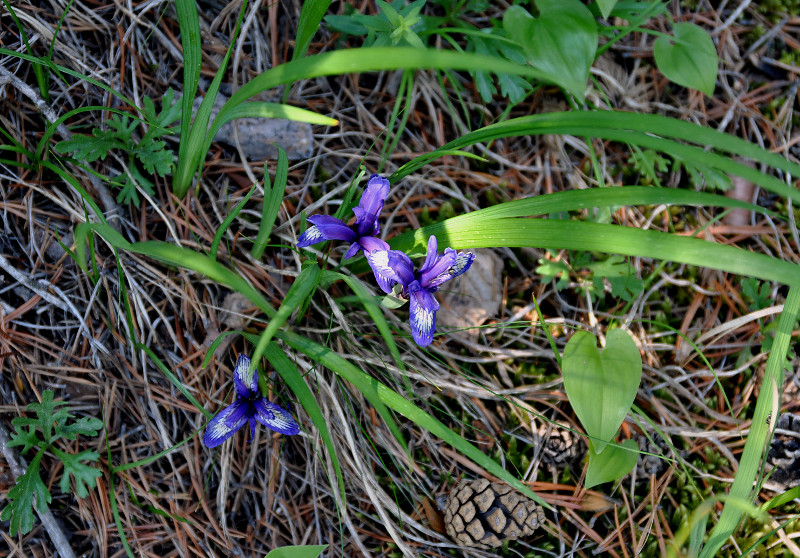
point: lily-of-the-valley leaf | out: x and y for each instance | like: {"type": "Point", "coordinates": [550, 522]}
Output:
{"type": "Point", "coordinates": [561, 42]}
{"type": "Point", "coordinates": [689, 58]}
{"type": "Point", "coordinates": [601, 385]}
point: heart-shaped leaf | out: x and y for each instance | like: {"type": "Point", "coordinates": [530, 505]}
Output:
{"type": "Point", "coordinates": [614, 463]}
{"type": "Point", "coordinates": [601, 386]}
{"type": "Point", "coordinates": [689, 58]}
{"type": "Point", "coordinates": [606, 6]}
{"type": "Point", "coordinates": [561, 42]}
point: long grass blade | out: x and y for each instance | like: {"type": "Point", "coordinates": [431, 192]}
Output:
{"type": "Point", "coordinates": [294, 379]}
{"type": "Point", "coordinates": [273, 196]}
{"type": "Point", "coordinates": [310, 17]}
{"type": "Point", "coordinates": [760, 431]}
{"type": "Point", "coordinates": [622, 126]}
{"type": "Point", "coordinates": [614, 239]}
{"type": "Point", "coordinates": [379, 394]}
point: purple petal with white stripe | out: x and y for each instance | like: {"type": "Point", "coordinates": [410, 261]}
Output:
{"type": "Point", "coordinates": [451, 265]}
{"type": "Point", "coordinates": [325, 228]}
{"type": "Point", "coordinates": [244, 381]}
{"type": "Point", "coordinates": [275, 417]}
{"type": "Point", "coordinates": [422, 315]}
{"type": "Point", "coordinates": [226, 423]}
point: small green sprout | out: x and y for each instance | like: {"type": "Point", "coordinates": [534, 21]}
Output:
{"type": "Point", "coordinates": [146, 157]}
{"type": "Point", "coordinates": [52, 422]}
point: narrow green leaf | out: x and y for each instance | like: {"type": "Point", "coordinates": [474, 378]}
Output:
{"type": "Point", "coordinates": [301, 289]}
{"type": "Point", "coordinates": [618, 125]}
{"type": "Point", "coordinates": [374, 311]}
{"type": "Point", "coordinates": [189, 23]}
{"type": "Point", "coordinates": [606, 6]}
{"type": "Point", "coordinates": [309, 551]}
{"type": "Point", "coordinates": [610, 239]}
{"type": "Point", "coordinates": [273, 196]}
{"type": "Point", "coordinates": [212, 253]}
{"type": "Point", "coordinates": [310, 17]}
{"type": "Point", "coordinates": [294, 379]}
{"type": "Point", "coordinates": [174, 380]}
{"type": "Point", "coordinates": [689, 58]}
{"type": "Point", "coordinates": [174, 255]}
{"type": "Point", "coordinates": [750, 460]}
{"type": "Point", "coordinates": [601, 385]}
{"type": "Point", "coordinates": [275, 110]}
{"type": "Point", "coordinates": [378, 394]}
{"type": "Point", "coordinates": [614, 463]}
{"type": "Point", "coordinates": [193, 146]}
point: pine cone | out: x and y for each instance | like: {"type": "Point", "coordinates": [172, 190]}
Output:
{"type": "Point", "coordinates": [784, 452]}
{"type": "Point", "coordinates": [650, 465]}
{"type": "Point", "coordinates": [559, 445]}
{"type": "Point", "coordinates": [483, 514]}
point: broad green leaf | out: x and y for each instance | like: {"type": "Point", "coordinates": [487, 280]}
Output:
{"type": "Point", "coordinates": [561, 42]}
{"type": "Point", "coordinates": [606, 6]}
{"type": "Point", "coordinates": [309, 551]}
{"type": "Point", "coordinates": [614, 463]}
{"type": "Point", "coordinates": [689, 58]}
{"type": "Point", "coordinates": [601, 385]}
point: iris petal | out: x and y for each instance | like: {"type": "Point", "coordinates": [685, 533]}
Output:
{"type": "Point", "coordinates": [325, 227]}
{"type": "Point", "coordinates": [244, 381]}
{"type": "Point", "coordinates": [370, 206]}
{"type": "Point", "coordinates": [422, 315]}
{"type": "Point", "coordinates": [457, 263]}
{"type": "Point", "coordinates": [403, 267]}
{"type": "Point", "coordinates": [275, 417]}
{"type": "Point", "coordinates": [384, 274]}
{"type": "Point", "coordinates": [430, 255]}
{"type": "Point", "coordinates": [312, 236]}
{"type": "Point", "coordinates": [226, 423]}
{"type": "Point", "coordinates": [352, 251]}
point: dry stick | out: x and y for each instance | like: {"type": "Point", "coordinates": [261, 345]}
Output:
{"type": "Point", "coordinates": [108, 201]}
{"type": "Point", "coordinates": [18, 467]}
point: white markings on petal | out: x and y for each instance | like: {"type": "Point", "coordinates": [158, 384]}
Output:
{"type": "Point", "coordinates": [245, 382]}
{"type": "Point", "coordinates": [225, 424]}
{"type": "Point", "coordinates": [422, 315]}
{"type": "Point", "coordinates": [384, 274]}
{"type": "Point", "coordinates": [311, 236]}
{"type": "Point", "coordinates": [275, 417]}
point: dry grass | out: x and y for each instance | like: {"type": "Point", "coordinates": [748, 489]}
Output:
{"type": "Point", "coordinates": [60, 331]}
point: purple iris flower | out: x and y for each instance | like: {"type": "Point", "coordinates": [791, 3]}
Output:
{"type": "Point", "coordinates": [250, 407]}
{"type": "Point", "coordinates": [392, 267]}
{"type": "Point", "coordinates": [325, 227]}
